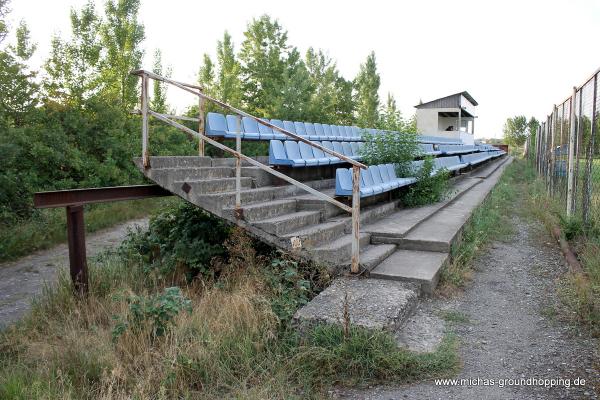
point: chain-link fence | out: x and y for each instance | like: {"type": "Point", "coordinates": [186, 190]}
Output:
{"type": "Point", "coordinates": [566, 152]}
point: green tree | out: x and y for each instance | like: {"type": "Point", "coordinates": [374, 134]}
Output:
{"type": "Point", "coordinates": [516, 130]}
{"type": "Point", "coordinates": [206, 75]}
{"type": "Point", "coordinates": [366, 85]}
{"type": "Point", "coordinates": [391, 117]}
{"type": "Point", "coordinates": [331, 95]}
{"type": "Point", "coordinates": [3, 24]}
{"type": "Point", "coordinates": [73, 67]}
{"type": "Point", "coordinates": [229, 85]}
{"type": "Point", "coordinates": [263, 56]}
{"type": "Point", "coordinates": [159, 89]}
{"type": "Point", "coordinates": [292, 100]}
{"type": "Point", "coordinates": [17, 81]}
{"type": "Point", "coordinates": [121, 39]}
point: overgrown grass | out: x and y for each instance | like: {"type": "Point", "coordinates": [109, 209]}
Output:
{"type": "Point", "coordinates": [48, 227]}
{"type": "Point", "coordinates": [579, 292]}
{"type": "Point", "coordinates": [237, 341]}
{"type": "Point", "coordinates": [490, 221]}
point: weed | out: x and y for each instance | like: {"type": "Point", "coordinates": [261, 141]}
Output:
{"type": "Point", "coordinates": [431, 186]}
{"type": "Point", "coordinates": [454, 316]}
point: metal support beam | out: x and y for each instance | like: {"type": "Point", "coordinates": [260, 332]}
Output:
{"type": "Point", "coordinates": [65, 198]}
{"type": "Point", "coordinates": [355, 261]}
{"type": "Point", "coordinates": [77, 253]}
{"type": "Point", "coordinates": [201, 126]}
{"type": "Point", "coordinates": [571, 160]}
{"type": "Point", "coordinates": [144, 106]}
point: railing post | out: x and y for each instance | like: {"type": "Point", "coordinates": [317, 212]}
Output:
{"type": "Point", "coordinates": [571, 160]}
{"type": "Point", "coordinates": [144, 105]}
{"type": "Point", "coordinates": [238, 167]}
{"type": "Point", "coordinates": [201, 126]}
{"type": "Point", "coordinates": [77, 257]}
{"type": "Point", "coordinates": [354, 266]}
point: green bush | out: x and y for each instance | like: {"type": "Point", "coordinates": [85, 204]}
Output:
{"type": "Point", "coordinates": [428, 188]}
{"type": "Point", "coordinates": [155, 312]}
{"type": "Point", "coordinates": [391, 148]}
{"type": "Point", "coordinates": [179, 238]}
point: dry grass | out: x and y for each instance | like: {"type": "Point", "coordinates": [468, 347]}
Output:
{"type": "Point", "coordinates": [231, 345]}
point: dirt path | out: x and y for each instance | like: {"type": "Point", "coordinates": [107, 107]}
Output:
{"type": "Point", "coordinates": [509, 333]}
{"type": "Point", "coordinates": [21, 280]}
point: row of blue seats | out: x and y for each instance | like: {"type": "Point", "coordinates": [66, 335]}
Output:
{"type": "Point", "coordinates": [374, 180]}
{"type": "Point", "coordinates": [229, 126]}
{"type": "Point", "coordinates": [457, 149]}
{"type": "Point", "coordinates": [300, 154]}
{"type": "Point", "coordinates": [382, 178]}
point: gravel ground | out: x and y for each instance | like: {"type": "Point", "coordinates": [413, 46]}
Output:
{"type": "Point", "coordinates": [23, 279]}
{"type": "Point", "coordinates": [509, 334]}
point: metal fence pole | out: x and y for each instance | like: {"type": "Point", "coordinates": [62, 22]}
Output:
{"type": "Point", "coordinates": [354, 266]}
{"type": "Point", "coordinates": [144, 106]}
{"type": "Point", "coordinates": [238, 168]}
{"type": "Point", "coordinates": [587, 192]}
{"type": "Point", "coordinates": [201, 124]}
{"type": "Point", "coordinates": [571, 160]}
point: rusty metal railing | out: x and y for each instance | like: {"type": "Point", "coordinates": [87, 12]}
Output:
{"type": "Point", "coordinates": [145, 111]}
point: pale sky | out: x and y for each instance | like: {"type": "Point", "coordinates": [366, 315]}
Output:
{"type": "Point", "coordinates": [513, 56]}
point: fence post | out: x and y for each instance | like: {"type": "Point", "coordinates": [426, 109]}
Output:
{"type": "Point", "coordinates": [587, 192]}
{"type": "Point", "coordinates": [571, 160]}
{"type": "Point", "coordinates": [144, 105]}
{"type": "Point", "coordinates": [201, 125]}
{"type": "Point", "coordinates": [355, 261]}
{"type": "Point", "coordinates": [77, 258]}
{"type": "Point", "coordinates": [552, 155]}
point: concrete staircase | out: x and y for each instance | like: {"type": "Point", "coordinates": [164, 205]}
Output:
{"type": "Point", "coordinates": [402, 250]}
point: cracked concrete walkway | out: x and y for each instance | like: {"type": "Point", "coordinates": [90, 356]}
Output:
{"type": "Point", "coordinates": [23, 279]}
{"type": "Point", "coordinates": [510, 333]}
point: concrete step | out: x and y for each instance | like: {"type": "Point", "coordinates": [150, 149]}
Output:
{"type": "Point", "coordinates": [286, 223]}
{"type": "Point", "coordinates": [265, 210]}
{"type": "Point", "coordinates": [313, 236]}
{"type": "Point", "coordinates": [338, 252]}
{"type": "Point", "coordinates": [373, 304]}
{"type": "Point", "coordinates": [443, 229]}
{"type": "Point", "coordinates": [371, 256]}
{"type": "Point", "coordinates": [230, 161]}
{"type": "Point", "coordinates": [420, 267]}
{"type": "Point", "coordinates": [219, 185]}
{"type": "Point", "coordinates": [167, 176]}
{"type": "Point", "coordinates": [375, 254]}
{"type": "Point", "coordinates": [179, 162]}
{"type": "Point", "coordinates": [398, 224]}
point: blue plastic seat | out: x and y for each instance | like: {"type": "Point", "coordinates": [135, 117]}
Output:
{"type": "Point", "coordinates": [322, 157]}
{"type": "Point", "coordinates": [290, 127]}
{"type": "Point", "coordinates": [277, 153]}
{"type": "Point", "coordinates": [307, 154]}
{"type": "Point", "coordinates": [452, 163]}
{"type": "Point", "coordinates": [355, 150]}
{"type": "Point", "coordinates": [337, 147]}
{"type": "Point", "coordinates": [427, 149]}
{"type": "Point", "coordinates": [378, 179]}
{"type": "Point", "coordinates": [335, 133]}
{"type": "Point", "coordinates": [299, 128]}
{"type": "Point", "coordinates": [328, 132]}
{"type": "Point", "coordinates": [369, 182]}
{"type": "Point", "coordinates": [293, 153]}
{"type": "Point", "coordinates": [347, 150]}
{"type": "Point", "coordinates": [267, 133]}
{"type": "Point", "coordinates": [278, 135]}
{"type": "Point", "coordinates": [215, 124]}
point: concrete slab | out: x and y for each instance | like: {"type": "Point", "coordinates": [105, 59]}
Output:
{"type": "Point", "coordinates": [401, 222]}
{"type": "Point", "coordinates": [372, 303]}
{"type": "Point", "coordinates": [422, 267]}
{"type": "Point", "coordinates": [439, 232]}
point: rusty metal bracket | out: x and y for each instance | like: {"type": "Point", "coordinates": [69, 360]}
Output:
{"type": "Point", "coordinates": [73, 201]}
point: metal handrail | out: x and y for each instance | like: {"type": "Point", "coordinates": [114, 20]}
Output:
{"type": "Point", "coordinates": [169, 119]}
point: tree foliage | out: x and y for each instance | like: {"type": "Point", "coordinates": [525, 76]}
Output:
{"type": "Point", "coordinates": [69, 125]}
{"type": "Point", "coordinates": [517, 129]}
